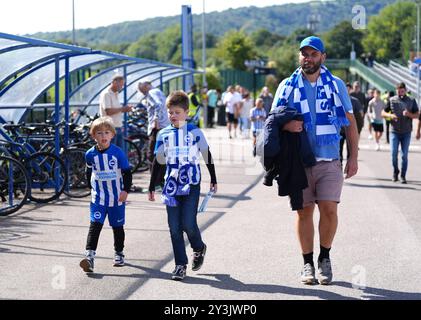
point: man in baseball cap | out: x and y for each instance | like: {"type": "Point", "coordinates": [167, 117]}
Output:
{"type": "Point", "coordinates": [305, 91]}
{"type": "Point", "coordinates": [314, 42]}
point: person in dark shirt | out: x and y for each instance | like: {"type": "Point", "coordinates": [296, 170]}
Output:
{"type": "Point", "coordinates": [358, 110]}
{"type": "Point", "coordinates": [357, 93]}
{"type": "Point", "coordinates": [401, 111]}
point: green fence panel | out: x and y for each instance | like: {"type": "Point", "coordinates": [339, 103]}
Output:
{"type": "Point", "coordinates": [243, 78]}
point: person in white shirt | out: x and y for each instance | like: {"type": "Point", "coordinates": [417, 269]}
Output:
{"type": "Point", "coordinates": [157, 114]}
{"type": "Point", "coordinates": [109, 106]}
{"type": "Point", "coordinates": [231, 101]}
{"type": "Point", "coordinates": [246, 106]}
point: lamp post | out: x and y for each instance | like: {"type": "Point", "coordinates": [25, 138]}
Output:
{"type": "Point", "coordinates": [418, 50]}
{"type": "Point", "coordinates": [205, 105]}
{"type": "Point", "coordinates": [204, 44]}
{"type": "Point", "coordinates": [73, 18]}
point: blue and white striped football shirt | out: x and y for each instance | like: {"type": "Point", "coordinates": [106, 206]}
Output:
{"type": "Point", "coordinates": [181, 146]}
{"type": "Point", "coordinates": [106, 179]}
{"type": "Point", "coordinates": [258, 124]}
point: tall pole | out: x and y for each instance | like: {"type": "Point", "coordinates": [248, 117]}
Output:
{"type": "Point", "coordinates": [204, 44]}
{"type": "Point", "coordinates": [204, 84]}
{"type": "Point", "coordinates": [73, 30]}
{"type": "Point", "coordinates": [417, 53]}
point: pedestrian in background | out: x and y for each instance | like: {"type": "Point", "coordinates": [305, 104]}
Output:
{"type": "Point", "coordinates": [375, 114]}
{"type": "Point", "coordinates": [257, 117]}
{"type": "Point", "coordinates": [402, 110]}
{"type": "Point", "coordinates": [109, 105]}
{"type": "Point", "coordinates": [157, 114]}
{"type": "Point", "coordinates": [267, 98]}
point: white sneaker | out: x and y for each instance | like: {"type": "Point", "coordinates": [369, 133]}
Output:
{"type": "Point", "coordinates": [377, 147]}
{"type": "Point", "coordinates": [118, 259]}
{"type": "Point", "coordinates": [87, 264]}
{"type": "Point", "coordinates": [370, 137]}
{"type": "Point", "coordinates": [308, 274]}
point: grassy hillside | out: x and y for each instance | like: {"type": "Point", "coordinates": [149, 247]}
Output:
{"type": "Point", "coordinates": [280, 19]}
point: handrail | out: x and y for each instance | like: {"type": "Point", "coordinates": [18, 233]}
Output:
{"type": "Point", "coordinates": [371, 76]}
{"type": "Point", "coordinates": [395, 77]}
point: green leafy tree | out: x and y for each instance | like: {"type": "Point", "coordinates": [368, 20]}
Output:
{"type": "Point", "coordinates": [168, 45]}
{"type": "Point", "coordinates": [213, 78]}
{"type": "Point", "coordinates": [298, 35]}
{"type": "Point", "coordinates": [211, 40]}
{"type": "Point", "coordinates": [235, 48]}
{"type": "Point", "coordinates": [285, 59]}
{"type": "Point", "coordinates": [118, 48]}
{"type": "Point", "coordinates": [265, 38]}
{"type": "Point", "coordinates": [389, 34]}
{"type": "Point", "coordinates": [338, 41]}
{"type": "Point", "coordinates": [145, 47]}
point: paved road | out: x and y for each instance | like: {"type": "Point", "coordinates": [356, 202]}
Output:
{"type": "Point", "coordinates": [253, 252]}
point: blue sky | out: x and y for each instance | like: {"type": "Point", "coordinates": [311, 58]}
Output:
{"type": "Point", "coordinates": [30, 16]}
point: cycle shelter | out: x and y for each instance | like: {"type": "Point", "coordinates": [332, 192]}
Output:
{"type": "Point", "coordinates": [48, 80]}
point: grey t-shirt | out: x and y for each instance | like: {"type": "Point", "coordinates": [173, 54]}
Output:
{"type": "Point", "coordinates": [375, 108]}
{"type": "Point", "coordinates": [397, 106]}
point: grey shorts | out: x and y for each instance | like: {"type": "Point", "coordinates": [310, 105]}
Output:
{"type": "Point", "coordinates": [325, 181]}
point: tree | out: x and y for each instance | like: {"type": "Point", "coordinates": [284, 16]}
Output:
{"type": "Point", "coordinates": [298, 35]}
{"type": "Point", "coordinates": [169, 45]}
{"type": "Point", "coordinates": [211, 40]}
{"type": "Point", "coordinates": [117, 48]}
{"type": "Point", "coordinates": [338, 41]}
{"type": "Point", "coordinates": [164, 46]}
{"type": "Point", "coordinates": [145, 48]}
{"type": "Point", "coordinates": [213, 79]}
{"type": "Point", "coordinates": [286, 60]}
{"type": "Point", "coordinates": [389, 34]}
{"type": "Point", "coordinates": [234, 48]}
{"type": "Point", "coordinates": [264, 38]}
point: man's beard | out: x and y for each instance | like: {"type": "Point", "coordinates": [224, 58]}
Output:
{"type": "Point", "coordinates": [313, 69]}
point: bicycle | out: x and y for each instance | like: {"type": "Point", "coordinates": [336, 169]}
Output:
{"type": "Point", "coordinates": [14, 185]}
{"type": "Point", "coordinates": [46, 171]}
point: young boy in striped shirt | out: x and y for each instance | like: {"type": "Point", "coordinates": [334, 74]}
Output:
{"type": "Point", "coordinates": [178, 149]}
{"type": "Point", "coordinates": [257, 116]}
{"type": "Point", "coordinates": [108, 171]}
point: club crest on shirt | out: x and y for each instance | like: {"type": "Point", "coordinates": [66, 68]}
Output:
{"type": "Point", "coordinates": [188, 138]}
{"type": "Point", "coordinates": [97, 215]}
{"type": "Point", "coordinates": [112, 163]}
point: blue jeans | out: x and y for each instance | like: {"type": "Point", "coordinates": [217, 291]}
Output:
{"type": "Point", "coordinates": [118, 140]}
{"type": "Point", "coordinates": [244, 123]}
{"type": "Point", "coordinates": [404, 139]}
{"type": "Point", "coordinates": [183, 219]}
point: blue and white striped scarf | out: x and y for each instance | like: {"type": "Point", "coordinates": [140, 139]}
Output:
{"type": "Point", "coordinates": [330, 113]}
{"type": "Point", "coordinates": [176, 184]}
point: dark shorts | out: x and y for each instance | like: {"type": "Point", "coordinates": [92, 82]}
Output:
{"type": "Point", "coordinates": [325, 181]}
{"type": "Point", "coordinates": [378, 127]}
{"type": "Point", "coordinates": [231, 118]}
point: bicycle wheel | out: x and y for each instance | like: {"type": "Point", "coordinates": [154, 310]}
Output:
{"type": "Point", "coordinates": [141, 141]}
{"type": "Point", "coordinates": [133, 154]}
{"type": "Point", "coordinates": [47, 175]}
{"type": "Point", "coordinates": [14, 185]}
{"type": "Point", "coordinates": [74, 162]}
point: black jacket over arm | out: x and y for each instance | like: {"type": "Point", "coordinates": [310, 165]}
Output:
{"type": "Point", "coordinates": [286, 155]}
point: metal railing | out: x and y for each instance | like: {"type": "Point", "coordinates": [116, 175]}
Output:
{"type": "Point", "coordinates": [372, 76]}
